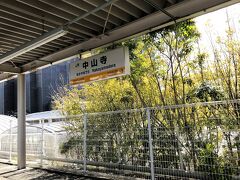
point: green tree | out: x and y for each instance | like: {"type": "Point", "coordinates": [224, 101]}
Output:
{"type": "Point", "coordinates": [167, 68]}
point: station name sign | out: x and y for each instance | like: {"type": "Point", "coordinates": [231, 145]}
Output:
{"type": "Point", "coordinates": [106, 65]}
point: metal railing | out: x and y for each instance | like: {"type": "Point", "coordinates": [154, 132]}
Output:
{"type": "Point", "coordinates": [195, 141]}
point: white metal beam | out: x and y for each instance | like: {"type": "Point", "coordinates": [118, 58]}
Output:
{"type": "Point", "coordinates": [45, 38]}
{"type": "Point", "coordinates": [6, 76]}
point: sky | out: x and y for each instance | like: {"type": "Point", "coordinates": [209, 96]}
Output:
{"type": "Point", "coordinates": [217, 23]}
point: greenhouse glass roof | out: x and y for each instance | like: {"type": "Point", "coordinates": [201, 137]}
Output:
{"type": "Point", "coordinates": [55, 114]}
{"type": "Point", "coordinates": [6, 122]}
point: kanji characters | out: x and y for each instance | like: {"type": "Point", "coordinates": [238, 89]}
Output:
{"type": "Point", "coordinates": [85, 65]}
{"type": "Point", "coordinates": [94, 62]}
{"type": "Point", "coordinates": [103, 59]}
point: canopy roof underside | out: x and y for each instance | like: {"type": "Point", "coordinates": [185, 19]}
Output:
{"type": "Point", "coordinates": [89, 23]}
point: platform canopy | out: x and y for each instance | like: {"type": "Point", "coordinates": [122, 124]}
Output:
{"type": "Point", "coordinates": [36, 33]}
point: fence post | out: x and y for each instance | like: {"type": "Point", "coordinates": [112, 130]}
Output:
{"type": "Point", "coordinates": [179, 149]}
{"type": "Point", "coordinates": [10, 142]}
{"type": "Point", "coordinates": [150, 140]}
{"type": "Point", "coordinates": [85, 143]}
{"type": "Point", "coordinates": [42, 140]}
{"type": "Point", "coordinates": [55, 146]}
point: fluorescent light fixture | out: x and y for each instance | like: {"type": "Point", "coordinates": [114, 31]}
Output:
{"type": "Point", "coordinates": [45, 38]}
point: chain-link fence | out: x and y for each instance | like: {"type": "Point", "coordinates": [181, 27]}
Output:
{"type": "Point", "coordinates": [192, 141]}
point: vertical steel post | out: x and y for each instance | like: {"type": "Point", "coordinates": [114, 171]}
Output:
{"type": "Point", "coordinates": [55, 145]}
{"type": "Point", "coordinates": [21, 135]}
{"type": "Point", "coordinates": [10, 142]}
{"type": "Point", "coordinates": [42, 141]}
{"type": "Point", "coordinates": [85, 143]}
{"type": "Point", "coordinates": [118, 149]}
{"type": "Point", "coordinates": [179, 149]}
{"type": "Point", "coordinates": [150, 144]}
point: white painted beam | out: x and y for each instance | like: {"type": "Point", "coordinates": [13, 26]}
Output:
{"type": "Point", "coordinates": [6, 76]}
{"type": "Point", "coordinates": [45, 38]}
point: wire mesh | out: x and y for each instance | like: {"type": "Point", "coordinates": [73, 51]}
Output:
{"type": "Point", "coordinates": [117, 143]}
{"type": "Point", "coordinates": [199, 142]}
{"type": "Point", "coordinates": [191, 141]}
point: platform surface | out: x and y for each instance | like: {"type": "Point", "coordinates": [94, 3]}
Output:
{"type": "Point", "coordinates": [10, 172]}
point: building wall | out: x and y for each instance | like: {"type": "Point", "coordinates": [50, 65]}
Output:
{"type": "Point", "coordinates": [40, 86]}
{"type": "Point", "coordinates": [2, 97]}
{"type": "Point", "coordinates": [10, 97]}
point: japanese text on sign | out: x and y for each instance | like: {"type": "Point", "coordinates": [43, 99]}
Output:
{"type": "Point", "coordinates": [103, 66]}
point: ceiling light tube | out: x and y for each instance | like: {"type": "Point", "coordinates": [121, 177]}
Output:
{"type": "Point", "coordinates": [45, 38]}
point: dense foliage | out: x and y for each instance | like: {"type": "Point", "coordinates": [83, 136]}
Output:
{"type": "Point", "coordinates": [167, 68]}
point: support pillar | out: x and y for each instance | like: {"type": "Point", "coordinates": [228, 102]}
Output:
{"type": "Point", "coordinates": [21, 108]}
